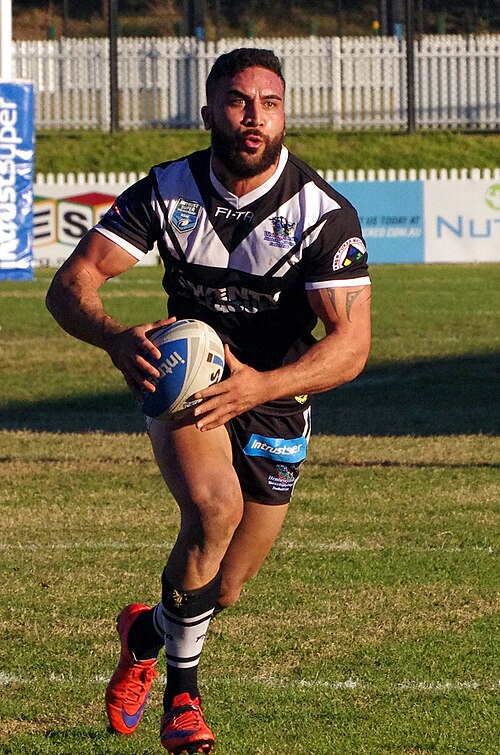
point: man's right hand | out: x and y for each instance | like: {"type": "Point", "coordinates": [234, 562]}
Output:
{"type": "Point", "coordinates": [74, 301]}
{"type": "Point", "coordinates": [129, 351]}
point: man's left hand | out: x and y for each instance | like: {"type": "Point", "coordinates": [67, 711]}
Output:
{"type": "Point", "coordinates": [241, 391]}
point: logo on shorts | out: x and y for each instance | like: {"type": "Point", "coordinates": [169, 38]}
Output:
{"type": "Point", "coordinates": [185, 215]}
{"type": "Point", "coordinates": [350, 252]}
{"type": "Point", "coordinates": [284, 479]}
{"type": "Point", "coordinates": [284, 473]}
{"type": "Point", "coordinates": [292, 450]}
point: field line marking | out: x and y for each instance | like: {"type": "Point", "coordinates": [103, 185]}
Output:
{"type": "Point", "coordinates": [276, 682]}
{"type": "Point", "coordinates": [347, 546]}
{"type": "Point", "coordinates": [347, 684]}
{"type": "Point", "coordinates": [329, 546]}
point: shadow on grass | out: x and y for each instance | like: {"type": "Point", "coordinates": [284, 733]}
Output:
{"type": "Point", "coordinates": [456, 396]}
{"type": "Point", "coordinates": [433, 397]}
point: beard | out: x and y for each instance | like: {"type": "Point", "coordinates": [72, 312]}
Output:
{"type": "Point", "coordinates": [232, 152]}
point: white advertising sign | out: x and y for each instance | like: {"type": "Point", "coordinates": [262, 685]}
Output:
{"type": "Point", "coordinates": [462, 221]}
{"type": "Point", "coordinates": [62, 216]}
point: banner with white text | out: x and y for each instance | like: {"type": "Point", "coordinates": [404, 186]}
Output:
{"type": "Point", "coordinates": [17, 151]}
{"type": "Point", "coordinates": [392, 218]}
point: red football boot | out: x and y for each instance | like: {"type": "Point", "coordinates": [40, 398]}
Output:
{"type": "Point", "coordinates": [128, 688]}
{"type": "Point", "coordinates": [183, 729]}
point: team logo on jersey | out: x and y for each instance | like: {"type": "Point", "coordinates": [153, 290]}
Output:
{"type": "Point", "coordinates": [281, 226]}
{"type": "Point", "coordinates": [185, 215]}
{"type": "Point", "coordinates": [282, 234]}
{"type": "Point", "coordinates": [301, 398]}
{"type": "Point", "coordinates": [350, 252]}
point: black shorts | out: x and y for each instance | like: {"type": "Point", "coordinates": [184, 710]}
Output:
{"type": "Point", "coordinates": [267, 453]}
{"type": "Point", "coordinates": [268, 450]}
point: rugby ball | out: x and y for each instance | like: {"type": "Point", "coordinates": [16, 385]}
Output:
{"type": "Point", "coordinates": [192, 358]}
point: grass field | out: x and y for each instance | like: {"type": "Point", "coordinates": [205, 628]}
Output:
{"type": "Point", "coordinates": [372, 629]}
{"type": "Point", "coordinates": [66, 151]}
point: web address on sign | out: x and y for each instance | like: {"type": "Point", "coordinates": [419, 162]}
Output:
{"type": "Point", "coordinates": [392, 232]}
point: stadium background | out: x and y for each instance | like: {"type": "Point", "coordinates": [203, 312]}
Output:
{"type": "Point", "coordinates": [238, 18]}
{"type": "Point", "coordinates": [371, 629]}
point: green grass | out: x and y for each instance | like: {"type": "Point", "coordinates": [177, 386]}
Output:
{"type": "Point", "coordinates": [370, 630]}
{"type": "Point", "coordinates": [86, 151]}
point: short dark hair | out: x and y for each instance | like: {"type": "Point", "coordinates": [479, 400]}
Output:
{"type": "Point", "coordinates": [236, 61]}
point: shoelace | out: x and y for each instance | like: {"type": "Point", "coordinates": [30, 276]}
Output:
{"type": "Point", "coordinates": [190, 715]}
{"type": "Point", "coordinates": [139, 678]}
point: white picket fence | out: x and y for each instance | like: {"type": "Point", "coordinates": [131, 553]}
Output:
{"type": "Point", "coordinates": [342, 83]}
{"type": "Point", "coordinates": [109, 181]}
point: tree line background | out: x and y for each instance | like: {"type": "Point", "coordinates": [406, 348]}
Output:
{"type": "Point", "coordinates": [212, 19]}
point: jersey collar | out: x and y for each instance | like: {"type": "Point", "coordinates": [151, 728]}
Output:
{"type": "Point", "coordinates": [251, 196]}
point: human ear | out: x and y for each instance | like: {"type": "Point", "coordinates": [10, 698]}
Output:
{"type": "Point", "coordinates": [206, 114]}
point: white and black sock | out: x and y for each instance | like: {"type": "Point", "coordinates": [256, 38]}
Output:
{"type": "Point", "coordinates": [183, 617]}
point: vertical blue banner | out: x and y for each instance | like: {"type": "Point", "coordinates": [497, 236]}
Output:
{"type": "Point", "coordinates": [392, 218]}
{"type": "Point", "coordinates": [17, 158]}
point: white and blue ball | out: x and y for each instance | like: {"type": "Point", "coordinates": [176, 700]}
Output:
{"type": "Point", "coordinates": [192, 358]}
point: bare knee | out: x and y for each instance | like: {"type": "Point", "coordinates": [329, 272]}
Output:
{"type": "Point", "coordinates": [214, 512]}
{"type": "Point", "coordinates": [208, 522]}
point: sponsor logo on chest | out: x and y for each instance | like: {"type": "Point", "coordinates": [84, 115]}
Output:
{"type": "Point", "coordinates": [231, 298]}
{"type": "Point", "coordinates": [231, 214]}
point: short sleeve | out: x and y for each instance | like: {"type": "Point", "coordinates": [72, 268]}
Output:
{"type": "Point", "coordinates": [131, 221]}
{"type": "Point", "coordinates": [337, 253]}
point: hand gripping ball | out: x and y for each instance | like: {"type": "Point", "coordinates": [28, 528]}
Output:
{"type": "Point", "coordinates": [192, 358]}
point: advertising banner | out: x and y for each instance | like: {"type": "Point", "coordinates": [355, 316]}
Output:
{"type": "Point", "coordinates": [462, 221]}
{"type": "Point", "coordinates": [403, 221]}
{"type": "Point", "coordinates": [17, 151]}
{"type": "Point", "coordinates": [64, 214]}
{"type": "Point", "coordinates": [392, 218]}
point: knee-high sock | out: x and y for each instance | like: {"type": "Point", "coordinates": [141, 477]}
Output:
{"type": "Point", "coordinates": [183, 617]}
{"type": "Point", "coordinates": [144, 641]}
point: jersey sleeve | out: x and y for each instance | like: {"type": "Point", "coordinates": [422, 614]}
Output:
{"type": "Point", "coordinates": [131, 221]}
{"type": "Point", "coordinates": [337, 253]}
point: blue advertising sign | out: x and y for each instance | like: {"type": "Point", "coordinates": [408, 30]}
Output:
{"type": "Point", "coordinates": [392, 218]}
{"type": "Point", "coordinates": [17, 152]}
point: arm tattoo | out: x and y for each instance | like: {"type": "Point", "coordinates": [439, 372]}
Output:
{"type": "Point", "coordinates": [331, 296]}
{"type": "Point", "coordinates": [351, 297]}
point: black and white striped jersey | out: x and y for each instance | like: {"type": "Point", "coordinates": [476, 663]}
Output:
{"type": "Point", "coordinates": [243, 264]}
